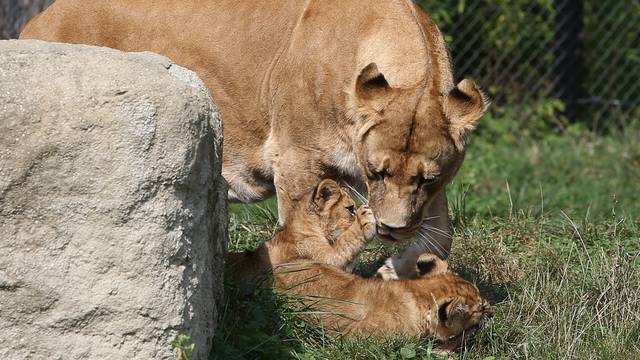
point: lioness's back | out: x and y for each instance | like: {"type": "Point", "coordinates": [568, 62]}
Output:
{"type": "Point", "coordinates": [229, 44]}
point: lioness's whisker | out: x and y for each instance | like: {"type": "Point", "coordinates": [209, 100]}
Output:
{"type": "Point", "coordinates": [441, 250]}
{"type": "Point", "coordinates": [436, 230]}
{"type": "Point", "coordinates": [357, 194]}
{"type": "Point", "coordinates": [436, 243]}
{"type": "Point", "coordinates": [431, 218]}
{"type": "Point", "coordinates": [445, 235]}
{"type": "Point", "coordinates": [426, 243]}
{"type": "Point", "coordinates": [431, 243]}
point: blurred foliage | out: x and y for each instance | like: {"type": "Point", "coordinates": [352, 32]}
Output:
{"type": "Point", "coordinates": [514, 166]}
{"type": "Point", "coordinates": [508, 47]}
{"type": "Point", "coordinates": [184, 346]}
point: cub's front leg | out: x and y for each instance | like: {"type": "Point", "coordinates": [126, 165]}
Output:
{"type": "Point", "coordinates": [351, 243]}
{"type": "Point", "coordinates": [295, 174]}
{"type": "Point", "coordinates": [342, 233]}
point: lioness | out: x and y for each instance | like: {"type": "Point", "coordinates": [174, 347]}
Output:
{"type": "Point", "coordinates": [360, 91]}
{"type": "Point", "coordinates": [327, 228]}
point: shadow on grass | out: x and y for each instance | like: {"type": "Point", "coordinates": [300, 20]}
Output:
{"type": "Point", "coordinates": [252, 325]}
{"type": "Point", "coordinates": [494, 292]}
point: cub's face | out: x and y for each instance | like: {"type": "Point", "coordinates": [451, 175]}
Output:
{"type": "Point", "coordinates": [461, 314]}
{"type": "Point", "coordinates": [459, 310]}
{"type": "Point", "coordinates": [336, 212]}
{"type": "Point", "coordinates": [410, 144]}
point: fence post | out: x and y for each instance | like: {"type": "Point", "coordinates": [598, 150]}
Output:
{"type": "Point", "coordinates": [568, 51]}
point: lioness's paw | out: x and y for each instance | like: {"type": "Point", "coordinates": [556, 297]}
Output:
{"type": "Point", "coordinates": [367, 221]}
{"type": "Point", "coordinates": [387, 271]}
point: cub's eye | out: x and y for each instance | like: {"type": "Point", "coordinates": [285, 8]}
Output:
{"type": "Point", "coordinates": [428, 181]}
{"type": "Point", "coordinates": [351, 209]}
{"type": "Point", "coordinates": [377, 174]}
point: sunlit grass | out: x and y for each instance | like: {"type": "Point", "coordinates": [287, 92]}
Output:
{"type": "Point", "coordinates": [550, 232]}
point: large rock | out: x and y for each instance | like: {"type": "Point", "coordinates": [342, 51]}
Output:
{"type": "Point", "coordinates": [112, 207]}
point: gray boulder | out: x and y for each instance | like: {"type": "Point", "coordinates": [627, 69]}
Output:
{"type": "Point", "coordinates": [112, 207]}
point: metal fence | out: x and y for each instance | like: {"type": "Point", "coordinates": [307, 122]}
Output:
{"type": "Point", "coordinates": [542, 58]}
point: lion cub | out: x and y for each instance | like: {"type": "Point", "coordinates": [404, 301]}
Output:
{"type": "Point", "coordinates": [307, 259]}
{"type": "Point", "coordinates": [438, 304]}
{"type": "Point", "coordinates": [326, 227]}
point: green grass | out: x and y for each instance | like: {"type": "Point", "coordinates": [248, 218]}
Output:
{"type": "Point", "coordinates": [548, 228]}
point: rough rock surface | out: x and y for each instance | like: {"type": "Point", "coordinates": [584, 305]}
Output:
{"type": "Point", "coordinates": [112, 207]}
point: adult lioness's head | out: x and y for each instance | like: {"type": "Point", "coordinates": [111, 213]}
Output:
{"type": "Point", "coordinates": [410, 143]}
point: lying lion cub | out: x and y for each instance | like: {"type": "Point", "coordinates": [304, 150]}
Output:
{"type": "Point", "coordinates": [307, 259]}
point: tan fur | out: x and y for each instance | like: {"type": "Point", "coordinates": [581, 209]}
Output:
{"type": "Point", "coordinates": [360, 91]}
{"type": "Point", "coordinates": [327, 228]}
{"type": "Point", "coordinates": [438, 304]}
{"type": "Point", "coordinates": [349, 304]}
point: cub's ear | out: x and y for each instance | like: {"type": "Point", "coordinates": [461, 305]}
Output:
{"type": "Point", "coordinates": [429, 264]}
{"type": "Point", "coordinates": [464, 106]}
{"type": "Point", "coordinates": [371, 83]}
{"type": "Point", "coordinates": [326, 191]}
{"type": "Point", "coordinates": [452, 310]}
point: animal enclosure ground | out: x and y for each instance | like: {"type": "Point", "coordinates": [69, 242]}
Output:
{"type": "Point", "coordinates": [549, 229]}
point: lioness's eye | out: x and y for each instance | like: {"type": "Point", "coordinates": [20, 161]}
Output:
{"type": "Point", "coordinates": [351, 209]}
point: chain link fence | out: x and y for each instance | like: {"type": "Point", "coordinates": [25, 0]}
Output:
{"type": "Point", "coordinates": [541, 61]}
{"type": "Point", "coordinates": [555, 61]}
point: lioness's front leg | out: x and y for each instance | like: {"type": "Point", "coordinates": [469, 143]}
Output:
{"type": "Point", "coordinates": [434, 237]}
{"type": "Point", "coordinates": [295, 174]}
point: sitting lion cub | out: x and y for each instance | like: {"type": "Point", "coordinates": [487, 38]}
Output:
{"type": "Point", "coordinates": [307, 259]}
{"type": "Point", "coordinates": [326, 228]}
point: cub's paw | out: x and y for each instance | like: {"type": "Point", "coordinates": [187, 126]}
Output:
{"type": "Point", "coordinates": [399, 267]}
{"type": "Point", "coordinates": [367, 221]}
{"type": "Point", "coordinates": [387, 271]}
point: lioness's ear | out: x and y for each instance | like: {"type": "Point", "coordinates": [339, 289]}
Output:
{"type": "Point", "coordinates": [371, 83]}
{"type": "Point", "coordinates": [464, 106]}
{"type": "Point", "coordinates": [326, 191]}
{"type": "Point", "coordinates": [430, 264]}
